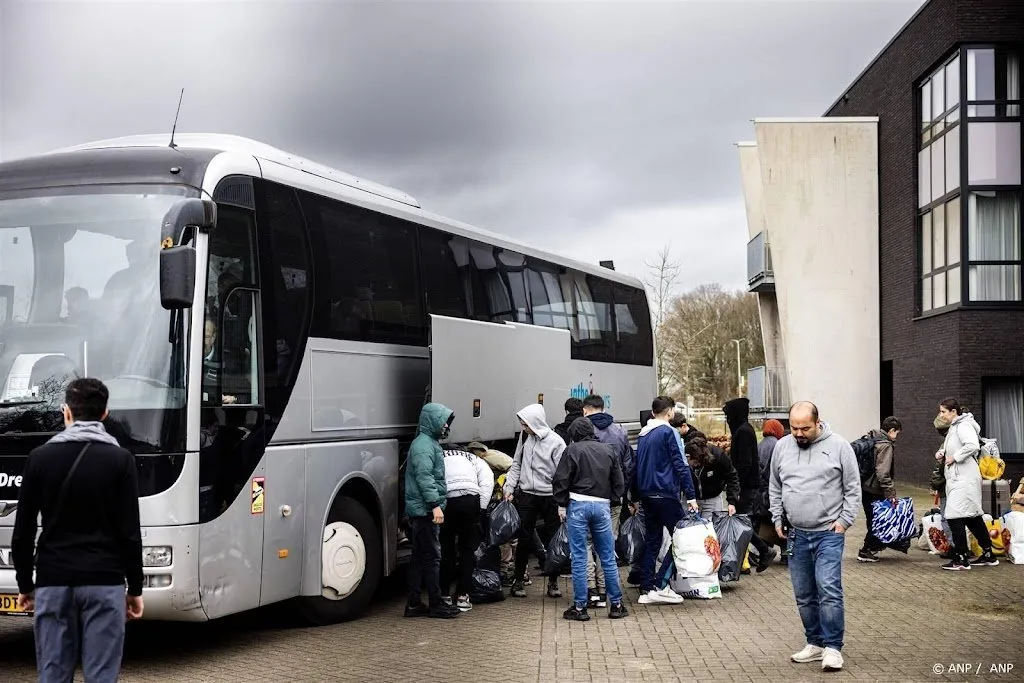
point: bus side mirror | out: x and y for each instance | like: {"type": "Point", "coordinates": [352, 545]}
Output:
{"type": "Point", "coordinates": [177, 277]}
{"type": "Point", "coordinates": [178, 263]}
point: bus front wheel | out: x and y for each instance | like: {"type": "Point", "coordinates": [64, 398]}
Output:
{"type": "Point", "coordinates": [350, 567]}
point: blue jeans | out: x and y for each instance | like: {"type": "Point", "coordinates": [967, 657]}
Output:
{"type": "Point", "coordinates": [594, 519]}
{"type": "Point", "coordinates": [816, 569]}
{"type": "Point", "coordinates": [89, 619]}
{"type": "Point", "coordinates": [659, 514]}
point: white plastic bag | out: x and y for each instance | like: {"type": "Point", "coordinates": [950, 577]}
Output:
{"type": "Point", "coordinates": [937, 541]}
{"type": "Point", "coordinates": [695, 547]}
{"type": "Point", "coordinates": [700, 587]}
{"type": "Point", "coordinates": [1013, 522]}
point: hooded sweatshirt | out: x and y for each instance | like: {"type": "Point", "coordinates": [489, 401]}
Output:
{"type": "Point", "coordinates": [425, 487]}
{"type": "Point", "coordinates": [661, 469]}
{"type": "Point", "coordinates": [537, 454]}
{"type": "Point", "coordinates": [468, 475]}
{"type": "Point", "coordinates": [589, 470]}
{"type": "Point", "coordinates": [963, 477]}
{"type": "Point", "coordinates": [607, 431]}
{"type": "Point", "coordinates": [743, 450]}
{"type": "Point", "coordinates": [815, 486]}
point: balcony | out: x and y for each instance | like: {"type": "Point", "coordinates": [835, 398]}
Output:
{"type": "Point", "coordinates": [760, 277]}
{"type": "Point", "coordinates": [768, 391]}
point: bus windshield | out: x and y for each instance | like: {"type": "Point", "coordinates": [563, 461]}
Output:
{"type": "Point", "coordinates": [80, 296]}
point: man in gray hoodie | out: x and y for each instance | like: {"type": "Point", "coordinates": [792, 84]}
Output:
{"type": "Point", "coordinates": [815, 483]}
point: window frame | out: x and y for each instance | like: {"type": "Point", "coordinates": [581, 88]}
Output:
{"type": "Point", "coordinates": [926, 136]}
{"type": "Point", "coordinates": [986, 383]}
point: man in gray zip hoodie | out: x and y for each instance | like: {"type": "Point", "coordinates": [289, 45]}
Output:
{"type": "Point", "coordinates": [815, 483]}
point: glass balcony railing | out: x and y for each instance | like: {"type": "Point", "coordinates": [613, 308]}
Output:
{"type": "Point", "coordinates": [768, 389]}
{"type": "Point", "coordinates": [760, 276]}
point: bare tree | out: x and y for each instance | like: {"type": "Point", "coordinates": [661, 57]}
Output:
{"type": "Point", "coordinates": [698, 330]}
{"type": "Point", "coordinates": [660, 283]}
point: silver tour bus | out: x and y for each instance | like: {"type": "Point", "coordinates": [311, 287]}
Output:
{"type": "Point", "coordinates": [269, 329]}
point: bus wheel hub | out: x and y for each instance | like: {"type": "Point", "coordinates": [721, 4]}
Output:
{"type": "Point", "coordinates": [344, 560]}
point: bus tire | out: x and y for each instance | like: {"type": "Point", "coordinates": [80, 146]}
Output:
{"type": "Point", "coordinates": [350, 529]}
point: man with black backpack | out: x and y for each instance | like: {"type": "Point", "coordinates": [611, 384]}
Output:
{"type": "Point", "coordinates": [875, 459]}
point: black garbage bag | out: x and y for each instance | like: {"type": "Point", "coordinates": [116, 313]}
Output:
{"type": "Point", "coordinates": [504, 524]}
{"type": "Point", "coordinates": [485, 587]}
{"type": "Point", "coordinates": [629, 546]}
{"type": "Point", "coordinates": [558, 560]}
{"type": "Point", "coordinates": [900, 546]}
{"type": "Point", "coordinates": [734, 534]}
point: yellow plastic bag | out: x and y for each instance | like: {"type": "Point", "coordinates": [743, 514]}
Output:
{"type": "Point", "coordinates": [746, 561]}
{"type": "Point", "coordinates": [995, 533]}
{"type": "Point", "coordinates": [991, 467]}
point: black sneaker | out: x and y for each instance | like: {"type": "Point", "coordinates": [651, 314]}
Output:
{"type": "Point", "coordinates": [592, 597]}
{"type": "Point", "coordinates": [554, 591]}
{"type": "Point", "coordinates": [618, 611]}
{"type": "Point", "coordinates": [866, 556]}
{"type": "Point", "coordinates": [419, 610]}
{"type": "Point", "coordinates": [957, 564]}
{"type": "Point", "coordinates": [602, 600]}
{"type": "Point", "coordinates": [518, 590]}
{"type": "Point", "coordinates": [766, 559]}
{"type": "Point", "coordinates": [527, 581]}
{"type": "Point", "coordinates": [574, 613]}
{"type": "Point", "coordinates": [987, 559]}
{"type": "Point", "coordinates": [444, 611]}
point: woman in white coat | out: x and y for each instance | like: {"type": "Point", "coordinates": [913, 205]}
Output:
{"type": "Point", "coordinates": [963, 486]}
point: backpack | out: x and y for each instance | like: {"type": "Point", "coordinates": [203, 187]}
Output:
{"type": "Point", "coordinates": [864, 449]}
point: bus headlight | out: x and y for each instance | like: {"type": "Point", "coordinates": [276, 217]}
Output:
{"type": "Point", "coordinates": [156, 556]}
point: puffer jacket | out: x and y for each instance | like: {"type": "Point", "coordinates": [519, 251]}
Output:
{"type": "Point", "coordinates": [467, 475]}
{"type": "Point", "coordinates": [425, 487]}
{"type": "Point", "coordinates": [963, 477]}
{"type": "Point", "coordinates": [608, 431]}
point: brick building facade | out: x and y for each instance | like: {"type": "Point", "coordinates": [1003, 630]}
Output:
{"type": "Point", "coordinates": [968, 348]}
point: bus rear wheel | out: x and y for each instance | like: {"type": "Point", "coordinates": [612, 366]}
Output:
{"type": "Point", "coordinates": [350, 567]}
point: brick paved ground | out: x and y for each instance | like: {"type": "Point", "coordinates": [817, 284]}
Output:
{"type": "Point", "coordinates": [904, 616]}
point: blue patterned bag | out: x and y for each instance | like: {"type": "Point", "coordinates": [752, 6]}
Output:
{"type": "Point", "coordinates": [894, 524]}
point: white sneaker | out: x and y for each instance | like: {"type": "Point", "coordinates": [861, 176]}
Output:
{"type": "Point", "coordinates": [831, 660]}
{"type": "Point", "coordinates": [810, 653]}
{"type": "Point", "coordinates": [666, 596]}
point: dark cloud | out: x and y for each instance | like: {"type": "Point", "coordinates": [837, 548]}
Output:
{"type": "Point", "coordinates": [541, 120]}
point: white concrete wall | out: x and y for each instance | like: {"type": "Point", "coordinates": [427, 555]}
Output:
{"type": "Point", "coordinates": [819, 205]}
{"type": "Point", "coordinates": [767, 303]}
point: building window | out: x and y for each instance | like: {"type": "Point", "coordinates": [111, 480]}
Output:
{"type": "Point", "coordinates": [970, 173]}
{"type": "Point", "coordinates": [993, 83]}
{"type": "Point", "coordinates": [993, 246]}
{"type": "Point", "coordinates": [940, 256]}
{"type": "Point", "coordinates": [1004, 414]}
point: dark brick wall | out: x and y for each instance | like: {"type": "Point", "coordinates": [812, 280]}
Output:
{"type": "Point", "coordinates": [949, 354]}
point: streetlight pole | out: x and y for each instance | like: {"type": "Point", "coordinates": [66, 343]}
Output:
{"type": "Point", "coordinates": [739, 371]}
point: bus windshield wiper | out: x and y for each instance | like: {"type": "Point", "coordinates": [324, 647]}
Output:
{"type": "Point", "coordinates": [12, 403]}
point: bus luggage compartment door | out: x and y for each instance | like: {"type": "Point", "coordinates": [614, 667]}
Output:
{"type": "Point", "coordinates": [485, 372]}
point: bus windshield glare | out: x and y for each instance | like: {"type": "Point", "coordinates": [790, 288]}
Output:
{"type": "Point", "coordinates": [80, 296]}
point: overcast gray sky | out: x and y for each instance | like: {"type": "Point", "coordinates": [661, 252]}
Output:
{"type": "Point", "coordinates": [599, 130]}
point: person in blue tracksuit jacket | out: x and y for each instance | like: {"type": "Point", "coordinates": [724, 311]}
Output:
{"type": "Point", "coordinates": [662, 476]}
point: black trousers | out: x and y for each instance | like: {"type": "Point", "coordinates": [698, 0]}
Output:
{"type": "Point", "coordinates": [460, 537]}
{"type": "Point", "coordinates": [746, 507]}
{"type": "Point", "coordinates": [871, 542]}
{"type": "Point", "coordinates": [959, 527]}
{"type": "Point", "coordinates": [531, 508]}
{"type": "Point", "coordinates": [425, 561]}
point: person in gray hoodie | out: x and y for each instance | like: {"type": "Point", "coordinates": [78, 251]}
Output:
{"type": "Point", "coordinates": [528, 485]}
{"type": "Point", "coordinates": [815, 483]}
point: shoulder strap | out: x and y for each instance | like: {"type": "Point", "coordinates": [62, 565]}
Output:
{"type": "Point", "coordinates": [62, 494]}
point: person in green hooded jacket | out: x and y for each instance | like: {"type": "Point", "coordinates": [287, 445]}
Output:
{"type": "Point", "coordinates": [425, 492]}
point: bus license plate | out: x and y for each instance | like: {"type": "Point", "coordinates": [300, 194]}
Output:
{"type": "Point", "coordinates": [9, 605]}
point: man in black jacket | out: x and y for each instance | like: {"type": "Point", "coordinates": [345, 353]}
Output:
{"type": "Point", "coordinates": [713, 475]}
{"type": "Point", "coordinates": [743, 452]}
{"type": "Point", "coordinates": [573, 411]}
{"type": "Point", "coordinates": [586, 482]}
{"type": "Point", "coordinates": [86, 489]}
